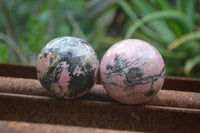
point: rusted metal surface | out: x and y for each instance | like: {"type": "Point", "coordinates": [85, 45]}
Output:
{"type": "Point", "coordinates": [96, 114]}
{"type": "Point", "coordinates": [177, 99]}
{"type": "Point", "coordinates": [171, 83]}
{"type": "Point", "coordinates": [174, 109]}
{"type": "Point", "coordinates": [182, 84]}
{"type": "Point", "coordinates": [25, 127]}
{"type": "Point", "coordinates": [168, 98]}
{"type": "Point", "coordinates": [22, 86]}
{"type": "Point", "coordinates": [86, 101]}
{"type": "Point", "coordinates": [20, 71]}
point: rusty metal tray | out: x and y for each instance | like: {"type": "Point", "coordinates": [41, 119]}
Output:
{"type": "Point", "coordinates": [26, 107]}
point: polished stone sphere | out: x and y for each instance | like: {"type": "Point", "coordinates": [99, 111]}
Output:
{"type": "Point", "coordinates": [132, 71]}
{"type": "Point", "coordinates": [67, 67]}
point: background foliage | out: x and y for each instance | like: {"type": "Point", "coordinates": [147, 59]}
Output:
{"type": "Point", "coordinates": [172, 26]}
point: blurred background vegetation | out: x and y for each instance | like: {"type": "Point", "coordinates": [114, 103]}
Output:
{"type": "Point", "coordinates": [172, 26]}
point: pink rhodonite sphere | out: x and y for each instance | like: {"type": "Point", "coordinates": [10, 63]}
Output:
{"type": "Point", "coordinates": [67, 67]}
{"type": "Point", "coordinates": [132, 71]}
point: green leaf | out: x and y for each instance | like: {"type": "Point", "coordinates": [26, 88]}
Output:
{"type": "Point", "coordinates": [183, 39]}
{"type": "Point", "coordinates": [76, 27]}
{"type": "Point", "coordinates": [163, 4]}
{"type": "Point", "coordinates": [4, 53]}
{"type": "Point", "coordinates": [170, 14]}
{"type": "Point", "coordinates": [143, 6]}
{"type": "Point", "coordinates": [127, 9]}
{"type": "Point", "coordinates": [162, 37]}
{"type": "Point", "coordinates": [186, 6]}
{"type": "Point", "coordinates": [15, 47]}
{"type": "Point", "coordinates": [191, 63]}
{"type": "Point", "coordinates": [97, 7]}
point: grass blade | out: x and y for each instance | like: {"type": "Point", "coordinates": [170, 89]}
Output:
{"type": "Point", "coordinates": [97, 7]}
{"type": "Point", "coordinates": [163, 4]}
{"type": "Point", "coordinates": [76, 27]}
{"type": "Point", "coordinates": [143, 6]}
{"type": "Point", "coordinates": [170, 14]}
{"type": "Point", "coordinates": [127, 9]}
{"type": "Point", "coordinates": [14, 47]}
{"type": "Point", "coordinates": [185, 38]}
{"type": "Point", "coordinates": [190, 64]}
{"type": "Point", "coordinates": [52, 19]}
{"type": "Point", "coordinates": [186, 6]}
{"type": "Point", "coordinates": [159, 26]}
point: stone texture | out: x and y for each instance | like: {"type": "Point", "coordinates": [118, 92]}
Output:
{"type": "Point", "coordinates": [67, 67]}
{"type": "Point", "coordinates": [132, 71]}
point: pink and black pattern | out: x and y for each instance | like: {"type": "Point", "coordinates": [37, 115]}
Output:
{"type": "Point", "coordinates": [132, 71]}
{"type": "Point", "coordinates": [67, 67]}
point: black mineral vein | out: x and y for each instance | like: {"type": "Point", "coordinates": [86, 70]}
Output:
{"type": "Point", "coordinates": [134, 76]}
{"type": "Point", "coordinates": [77, 83]}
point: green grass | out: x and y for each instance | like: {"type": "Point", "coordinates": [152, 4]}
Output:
{"type": "Point", "coordinates": [172, 27]}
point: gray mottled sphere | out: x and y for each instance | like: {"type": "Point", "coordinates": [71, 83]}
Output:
{"type": "Point", "coordinates": [67, 67]}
